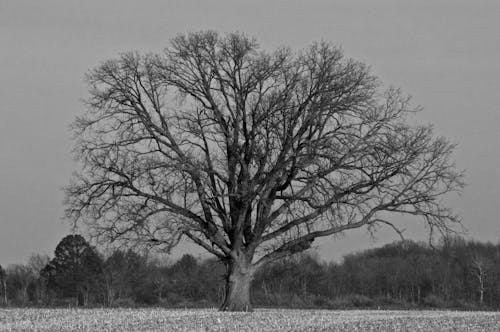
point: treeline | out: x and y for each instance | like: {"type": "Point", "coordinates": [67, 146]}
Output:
{"type": "Point", "coordinates": [455, 274]}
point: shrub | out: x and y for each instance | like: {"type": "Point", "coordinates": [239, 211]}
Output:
{"type": "Point", "coordinates": [338, 303]}
{"type": "Point", "coordinates": [463, 304]}
{"type": "Point", "coordinates": [125, 302]}
{"type": "Point", "coordinates": [360, 301]}
{"type": "Point", "coordinates": [320, 301]}
{"type": "Point", "coordinates": [434, 301]}
{"type": "Point", "coordinates": [145, 297]}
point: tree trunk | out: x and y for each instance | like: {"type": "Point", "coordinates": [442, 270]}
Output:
{"type": "Point", "coordinates": [481, 291]}
{"type": "Point", "coordinates": [4, 284]}
{"type": "Point", "coordinates": [24, 294]}
{"type": "Point", "coordinates": [160, 299]}
{"type": "Point", "coordinates": [266, 291]}
{"type": "Point", "coordinates": [109, 294]}
{"type": "Point", "coordinates": [80, 297]}
{"type": "Point", "coordinates": [238, 280]}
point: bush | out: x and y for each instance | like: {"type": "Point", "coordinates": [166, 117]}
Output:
{"type": "Point", "coordinates": [434, 301]}
{"type": "Point", "coordinates": [296, 302]}
{"type": "Point", "coordinates": [125, 302]}
{"type": "Point", "coordinates": [387, 301]}
{"type": "Point", "coordinates": [195, 304]}
{"type": "Point", "coordinates": [360, 301]}
{"type": "Point", "coordinates": [350, 301]}
{"type": "Point", "coordinates": [64, 302]}
{"type": "Point", "coordinates": [338, 303]}
{"type": "Point", "coordinates": [145, 297]}
{"type": "Point", "coordinates": [174, 299]}
{"type": "Point", "coordinates": [320, 301]}
{"type": "Point", "coordinates": [463, 304]}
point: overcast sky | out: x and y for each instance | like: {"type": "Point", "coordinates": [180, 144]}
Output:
{"type": "Point", "coordinates": [444, 53]}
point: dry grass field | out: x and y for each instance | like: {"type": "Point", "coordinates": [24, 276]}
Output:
{"type": "Point", "coordinates": [260, 320]}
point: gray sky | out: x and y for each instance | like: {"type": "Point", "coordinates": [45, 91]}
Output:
{"type": "Point", "coordinates": [444, 53]}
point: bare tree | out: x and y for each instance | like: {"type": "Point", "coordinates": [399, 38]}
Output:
{"type": "Point", "coordinates": [480, 272]}
{"type": "Point", "coordinates": [251, 155]}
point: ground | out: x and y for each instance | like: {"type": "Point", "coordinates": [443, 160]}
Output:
{"type": "Point", "coordinates": [260, 320]}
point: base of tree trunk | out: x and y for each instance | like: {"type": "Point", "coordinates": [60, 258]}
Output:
{"type": "Point", "coordinates": [237, 297]}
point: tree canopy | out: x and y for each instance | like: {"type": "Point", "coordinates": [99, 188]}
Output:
{"type": "Point", "coordinates": [250, 154]}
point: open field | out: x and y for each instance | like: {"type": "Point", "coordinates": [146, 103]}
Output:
{"type": "Point", "coordinates": [260, 320]}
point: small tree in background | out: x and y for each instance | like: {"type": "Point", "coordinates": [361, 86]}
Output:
{"type": "Point", "coordinates": [252, 155]}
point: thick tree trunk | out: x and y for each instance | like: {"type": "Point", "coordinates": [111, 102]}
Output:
{"type": "Point", "coordinates": [238, 280]}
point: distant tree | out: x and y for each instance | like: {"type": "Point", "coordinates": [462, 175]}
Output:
{"type": "Point", "coordinates": [160, 279]}
{"type": "Point", "coordinates": [210, 273]}
{"type": "Point", "coordinates": [21, 277]}
{"type": "Point", "coordinates": [48, 280]}
{"type": "Point", "coordinates": [36, 263]}
{"type": "Point", "coordinates": [75, 268]}
{"type": "Point", "coordinates": [184, 275]}
{"type": "Point", "coordinates": [186, 266]}
{"type": "Point", "coordinates": [251, 155]}
{"type": "Point", "coordinates": [124, 271]}
{"type": "Point", "coordinates": [482, 266]}
{"type": "Point", "coordinates": [3, 284]}
{"type": "Point", "coordinates": [114, 271]}
{"type": "Point", "coordinates": [294, 279]}
{"type": "Point", "coordinates": [480, 271]}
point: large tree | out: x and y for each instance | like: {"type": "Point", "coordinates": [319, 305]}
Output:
{"type": "Point", "coordinates": [250, 154]}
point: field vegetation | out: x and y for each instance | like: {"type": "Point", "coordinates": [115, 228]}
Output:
{"type": "Point", "coordinates": [154, 319]}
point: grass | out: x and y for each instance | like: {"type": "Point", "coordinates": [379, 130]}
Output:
{"type": "Point", "coordinates": [260, 320]}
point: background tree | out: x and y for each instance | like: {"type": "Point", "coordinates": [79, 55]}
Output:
{"type": "Point", "coordinates": [160, 279]}
{"type": "Point", "coordinates": [115, 276]}
{"type": "Point", "coordinates": [251, 155]}
{"type": "Point", "coordinates": [75, 268]}
{"type": "Point", "coordinates": [481, 260]}
{"type": "Point", "coordinates": [21, 277]}
{"type": "Point", "coordinates": [124, 272]}
{"type": "Point", "coordinates": [479, 267]}
{"type": "Point", "coordinates": [36, 263]}
{"type": "Point", "coordinates": [184, 277]}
